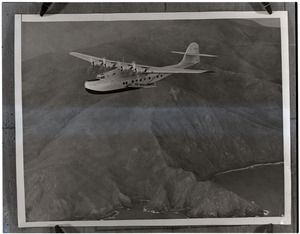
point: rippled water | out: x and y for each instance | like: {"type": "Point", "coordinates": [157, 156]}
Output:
{"type": "Point", "coordinates": [139, 212]}
{"type": "Point", "coordinates": [262, 184]}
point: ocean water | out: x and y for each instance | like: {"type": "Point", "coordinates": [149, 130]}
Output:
{"type": "Point", "coordinates": [262, 184]}
{"type": "Point", "coordinates": [139, 212]}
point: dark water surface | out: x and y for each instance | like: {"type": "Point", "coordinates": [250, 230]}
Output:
{"type": "Point", "coordinates": [139, 212]}
{"type": "Point", "coordinates": [262, 184]}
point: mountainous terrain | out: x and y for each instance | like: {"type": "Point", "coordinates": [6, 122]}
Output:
{"type": "Point", "coordinates": [89, 155]}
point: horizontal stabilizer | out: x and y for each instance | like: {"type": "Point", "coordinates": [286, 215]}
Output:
{"type": "Point", "coordinates": [193, 54]}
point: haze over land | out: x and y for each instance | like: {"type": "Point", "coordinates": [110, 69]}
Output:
{"type": "Point", "coordinates": [88, 155]}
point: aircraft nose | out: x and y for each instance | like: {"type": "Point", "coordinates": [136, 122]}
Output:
{"type": "Point", "coordinates": [89, 85]}
{"type": "Point", "coordinates": [95, 85]}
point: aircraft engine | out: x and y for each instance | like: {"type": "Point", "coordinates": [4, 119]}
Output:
{"type": "Point", "coordinates": [138, 69]}
{"type": "Point", "coordinates": [123, 67]}
{"type": "Point", "coordinates": [110, 65]}
{"type": "Point", "coordinates": [97, 63]}
{"type": "Point", "coordinates": [120, 66]}
{"type": "Point", "coordinates": [104, 63]}
{"type": "Point", "coordinates": [91, 68]}
{"type": "Point", "coordinates": [133, 66]}
{"type": "Point", "coordinates": [126, 67]}
{"type": "Point", "coordinates": [107, 64]}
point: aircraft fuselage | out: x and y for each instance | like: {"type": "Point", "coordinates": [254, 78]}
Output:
{"type": "Point", "coordinates": [117, 81]}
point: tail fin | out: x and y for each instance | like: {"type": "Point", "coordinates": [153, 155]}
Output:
{"type": "Point", "coordinates": [191, 55]}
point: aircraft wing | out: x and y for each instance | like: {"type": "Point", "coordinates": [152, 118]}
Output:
{"type": "Point", "coordinates": [102, 61]}
{"type": "Point", "coordinates": [143, 68]}
{"type": "Point", "coordinates": [173, 70]}
{"type": "Point", "coordinates": [86, 57]}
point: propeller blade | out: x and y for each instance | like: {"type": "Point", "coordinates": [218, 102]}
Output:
{"type": "Point", "coordinates": [133, 65]}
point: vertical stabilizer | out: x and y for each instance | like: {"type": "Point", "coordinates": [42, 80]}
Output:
{"type": "Point", "coordinates": [191, 55]}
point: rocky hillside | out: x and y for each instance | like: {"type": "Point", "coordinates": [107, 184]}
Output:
{"type": "Point", "coordinates": [87, 155]}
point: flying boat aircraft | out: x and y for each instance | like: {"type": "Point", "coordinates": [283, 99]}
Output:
{"type": "Point", "coordinates": [124, 76]}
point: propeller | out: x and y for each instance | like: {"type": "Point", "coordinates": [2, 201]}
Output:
{"type": "Point", "coordinates": [106, 64]}
{"type": "Point", "coordinates": [103, 62]}
{"type": "Point", "coordinates": [91, 68]}
{"type": "Point", "coordinates": [120, 66]}
{"type": "Point", "coordinates": [137, 69]}
{"type": "Point", "coordinates": [133, 65]}
{"type": "Point", "coordinates": [127, 67]}
{"type": "Point", "coordinates": [97, 63]}
{"type": "Point", "coordinates": [123, 67]}
{"type": "Point", "coordinates": [141, 70]}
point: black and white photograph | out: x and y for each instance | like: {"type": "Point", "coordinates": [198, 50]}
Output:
{"type": "Point", "coordinates": [152, 119]}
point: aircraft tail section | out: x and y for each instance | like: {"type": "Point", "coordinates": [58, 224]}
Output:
{"type": "Point", "coordinates": [191, 56]}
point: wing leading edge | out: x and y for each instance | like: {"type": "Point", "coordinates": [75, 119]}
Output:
{"type": "Point", "coordinates": [86, 57]}
{"type": "Point", "coordinates": [146, 69]}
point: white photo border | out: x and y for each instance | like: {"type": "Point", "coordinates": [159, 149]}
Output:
{"type": "Point", "coordinates": [282, 15]}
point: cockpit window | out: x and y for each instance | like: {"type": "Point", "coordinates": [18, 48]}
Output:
{"type": "Point", "coordinates": [100, 76]}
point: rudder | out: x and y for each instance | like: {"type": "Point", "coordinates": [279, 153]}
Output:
{"type": "Point", "coordinates": [191, 55]}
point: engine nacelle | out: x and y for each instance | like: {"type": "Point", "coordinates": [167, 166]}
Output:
{"type": "Point", "coordinates": [140, 70]}
{"type": "Point", "coordinates": [107, 64]}
{"type": "Point", "coordinates": [97, 63]}
{"type": "Point", "coordinates": [137, 69]}
{"type": "Point", "coordinates": [123, 67]}
{"type": "Point", "coordinates": [120, 66]}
